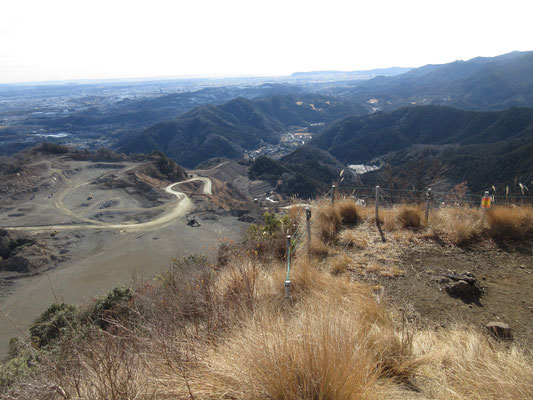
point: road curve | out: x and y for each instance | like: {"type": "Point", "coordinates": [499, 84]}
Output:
{"type": "Point", "coordinates": [206, 190]}
{"type": "Point", "coordinates": [183, 207]}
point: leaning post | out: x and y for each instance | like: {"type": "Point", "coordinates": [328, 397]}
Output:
{"type": "Point", "coordinates": [428, 203]}
{"type": "Point", "coordinates": [308, 221]}
{"type": "Point", "coordinates": [377, 205]}
{"type": "Point", "coordinates": [287, 280]}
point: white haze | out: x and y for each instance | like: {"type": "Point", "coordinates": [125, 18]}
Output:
{"type": "Point", "coordinates": [61, 40]}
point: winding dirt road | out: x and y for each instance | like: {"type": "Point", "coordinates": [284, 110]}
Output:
{"type": "Point", "coordinates": [182, 207]}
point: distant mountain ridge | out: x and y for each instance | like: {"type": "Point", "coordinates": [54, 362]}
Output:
{"type": "Point", "coordinates": [229, 129]}
{"type": "Point", "coordinates": [482, 83]}
{"type": "Point", "coordinates": [481, 148]}
{"type": "Point", "coordinates": [352, 75]}
{"type": "Point", "coordinates": [360, 139]}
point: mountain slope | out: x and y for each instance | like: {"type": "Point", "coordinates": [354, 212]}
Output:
{"type": "Point", "coordinates": [227, 130]}
{"type": "Point", "coordinates": [305, 172]}
{"type": "Point", "coordinates": [360, 139]}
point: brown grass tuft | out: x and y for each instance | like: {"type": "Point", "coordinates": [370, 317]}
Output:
{"type": "Point", "coordinates": [461, 225]}
{"type": "Point", "coordinates": [337, 344]}
{"type": "Point", "coordinates": [318, 248]}
{"type": "Point", "coordinates": [349, 212]}
{"type": "Point", "coordinates": [466, 365]}
{"type": "Point", "coordinates": [510, 223]}
{"type": "Point", "coordinates": [352, 238]}
{"type": "Point", "coordinates": [328, 222]}
{"type": "Point", "coordinates": [340, 264]}
{"type": "Point", "coordinates": [410, 217]}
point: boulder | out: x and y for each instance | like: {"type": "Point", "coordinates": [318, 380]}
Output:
{"type": "Point", "coordinates": [15, 264]}
{"type": "Point", "coordinates": [500, 330]}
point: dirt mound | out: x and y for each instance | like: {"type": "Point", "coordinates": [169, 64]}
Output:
{"type": "Point", "coordinates": [23, 254]}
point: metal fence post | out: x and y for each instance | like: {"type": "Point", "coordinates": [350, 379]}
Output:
{"type": "Point", "coordinates": [377, 205]}
{"type": "Point", "coordinates": [428, 203]}
{"type": "Point", "coordinates": [287, 280]}
{"type": "Point", "coordinates": [308, 218]}
{"type": "Point", "coordinates": [333, 187]}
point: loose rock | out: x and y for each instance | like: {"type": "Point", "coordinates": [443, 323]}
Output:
{"type": "Point", "coordinates": [500, 330]}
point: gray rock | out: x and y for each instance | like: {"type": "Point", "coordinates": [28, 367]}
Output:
{"type": "Point", "coordinates": [463, 290]}
{"type": "Point", "coordinates": [500, 330]}
{"type": "Point", "coordinates": [247, 218]}
{"type": "Point", "coordinates": [15, 264]}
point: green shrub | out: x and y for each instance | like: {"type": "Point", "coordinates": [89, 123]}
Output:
{"type": "Point", "coordinates": [111, 306]}
{"type": "Point", "coordinates": [58, 320]}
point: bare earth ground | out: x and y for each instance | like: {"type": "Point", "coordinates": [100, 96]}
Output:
{"type": "Point", "coordinates": [99, 232]}
{"type": "Point", "coordinates": [409, 270]}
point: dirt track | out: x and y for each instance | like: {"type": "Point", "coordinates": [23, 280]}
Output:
{"type": "Point", "coordinates": [182, 207]}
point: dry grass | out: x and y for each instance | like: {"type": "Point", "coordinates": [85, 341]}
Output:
{"type": "Point", "coordinates": [466, 365]}
{"type": "Point", "coordinates": [382, 270]}
{"type": "Point", "coordinates": [318, 248]}
{"type": "Point", "coordinates": [337, 343]}
{"type": "Point", "coordinates": [510, 223]}
{"type": "Point", "coordinates": [332, 217]}
{"type": "Point", "coordinates": [410, 217]}
{"type": "Point", "coordinates": [328, 222]}
{"type": "Point", "coordinates": [349, 212]}
{"type": "Point", "coordinates": [352, 238]}
{"type": "Point", "coordinates": [340, 264]}
{"type": "Point", "coordinates": [461, 224]}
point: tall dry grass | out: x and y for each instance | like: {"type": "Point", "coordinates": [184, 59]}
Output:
{"type": "Point", "coordinates": [467, 365]}
{"type": "Point", "coordinates": [335, 343]}
{"type": "Point", "coordinates": [461, 224]}
{"type": "Point", "coordinates": [332, 218]}
{"type": "Point", "coordinates": [510, 222]}
{"type": "Point", "coordinates": [409, 217]}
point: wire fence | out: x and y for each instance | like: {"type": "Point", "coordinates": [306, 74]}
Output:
{"type": "Point", "coordinates": [394, 196]}
{"type": "Point", "coordinates": [387, 197]}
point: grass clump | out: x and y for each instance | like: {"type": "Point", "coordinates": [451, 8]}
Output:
{"type": "Point", "coordinates": [464, 364]}
{"type": "Point", "coordinates": [332, 217]}
{"type": "Point", "coordinates": [329, 222]}
{"type": "Point", "coordinates": [410, 217]}
{"type": "Point", "coordinates": [340, 264]}
{"type": "Point", "coordinates": [336, 344]}
{"type": "Point", "coordinates": [461, 225]}
{"type": "Point", "coordinates": [510, 223]}
{"type": "Point", "coordinates": [352, 238]}
{"type": "Point", "coordinates": [348, 212]}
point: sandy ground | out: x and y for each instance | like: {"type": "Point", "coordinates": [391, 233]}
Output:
{"type": "Point", "coordinates": [102, 254]}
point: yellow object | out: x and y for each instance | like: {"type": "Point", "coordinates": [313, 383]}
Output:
{"type": "Point", "coordinates": [485, 202]}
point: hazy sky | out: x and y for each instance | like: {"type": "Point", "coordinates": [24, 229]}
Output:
{"type": "Point", "coordinates": [72, 39]}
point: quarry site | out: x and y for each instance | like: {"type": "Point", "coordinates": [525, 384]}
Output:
{"type": "Point", "coordinates": [72, 229]}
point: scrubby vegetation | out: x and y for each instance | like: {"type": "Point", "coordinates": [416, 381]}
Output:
{"type": "Point", "coordinates": [219, 326]}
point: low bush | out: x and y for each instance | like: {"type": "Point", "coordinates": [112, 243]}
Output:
{"type": "Point", "coordinates": [57, 321]}
{"type": "Point", "coordinates": [111, 307]}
